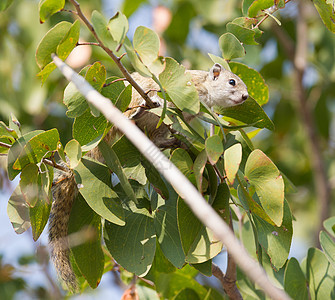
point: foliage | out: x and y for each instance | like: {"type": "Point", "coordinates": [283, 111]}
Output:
{"type": "Point", "coordinates": [140, 221]}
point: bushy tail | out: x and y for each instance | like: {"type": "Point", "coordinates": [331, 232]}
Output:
{"type": "Point", "coordinates": [64, 193]}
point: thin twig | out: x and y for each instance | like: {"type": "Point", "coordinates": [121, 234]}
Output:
{"type": "Point", "coordinates": [261, 21]}
{"type": "Point", "coordinates": [205, 213]}
{"type": "Point", "coordinates": [87, 44]}
{"type": "Point", "coordinates": [217, 272]}
{"type": "Point", "coordinates": [112, 55]}
{"type": "Point", "coordinates": [70, 11]}
{"type": "Point", "coordinates": [116, 80]}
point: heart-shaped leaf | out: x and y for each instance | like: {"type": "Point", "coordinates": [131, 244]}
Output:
{"type": "Point", "coordinates": [262, 173]}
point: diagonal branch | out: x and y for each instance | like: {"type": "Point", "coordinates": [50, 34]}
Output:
{"type": "Point", "coordinates": [205, 213]}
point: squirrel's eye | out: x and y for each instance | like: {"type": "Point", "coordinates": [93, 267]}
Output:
{"type": "Point", "coordinates": [232, 82]}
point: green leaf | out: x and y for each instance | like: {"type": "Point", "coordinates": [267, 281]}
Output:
{"type": "Point", "coordinates": [29, 185]}
{"type": "Point", "coordinates": [328, 246]}
{"type": "Point", "coordinates": [230, 46]}
{"type": "Point", "coordinates": [199, 167]}
{"type": "Point", "coordinates": [18, 211]}
{"type": "Point", "coordinates": [258, 5]}
{"type": "Point", "coordinates": [114, 164]}
{"type": "Point", "coordinates": [49, 7]}
{"type": "Point", "coordinates": [254, 81]}
{"type": "Point", "coordinates": [221, 202]}
{"type": "Point", "coordinates": [4, 4]}
{"type": "Point", "coordinates": [14, 124]}
{"type": "Point", "coordinates": [219, 60]}
{"type": "Point", "coordinates": [94, 181]}
{"type": "Point", "coordinates": [166, 227]}
{"type": "Point", "coordinates": [88, 129]}
{"type": "Point", "coordinates": [74, 100]}
{"type": "Point", "coordinates": [86, 249]}
{"type": "Point", "coordinates": [245, 35]}
{"type": "Point", "coordinates": [169, 285]}
{"type": "Point", "coordinates": [96, 77]}
{"type": "Point", "coordinates": [178, 85]}
{"type": "Point", "coordinates": [182, 160]}
{"type": "Point", "coordinates": [155, 179]}
{"type": "Point", "coordinates": [214, 148]}
{"type": "Point", "coordinates": [249, 204]}
{"type": "Point", "coordinates": [135, 61]}
{"type": "Point", "coordinates": [118, 27]}
{"type": "Point", "coordinates": [124, 98]}
{"type": "Point", "coordinates": [146, 44]}
{"type": "Point", "coordinates": [161, 264]}
{"type": "Point", "coordinates": [189, 227]}
{"type": "Point", "coordinates": [276, 241]}
{"type": "Point", "coordinates": [329, 225]}
{"type": "Point", "coordinates": [232, 160]}
{"type": "Point", "coordinates": [320, 275]}
{"type": "Point", "coordinates": [46, 71]}
{"type": "Point", "coordinates": [40, 146]}
{"type": "Point", "coordinates": [50, 42]}
{"type": "Point", "coordinates": [133, 245]}
{"type": "Point", "coordinates": [249, 112]}
{"type": "Point", "coordinates": [39, 213]}
{"type": "Point", "coordinates": [262, 173]}
{"type": "Point", "coordinates": [199, 243]}
{"type": "Point", "coordinates": [69, 42]}
{"type": "Point", "coordinates": [100, 26]}
{"type": "Point", "coordinates": [182, 15]}
{"type": "Point", "coordinates": [127, 153]}
{"type": "Point", "coordinates": [204, 268]}
{"type": "Point", "coordinates": [326, 12]}
{"type": "Point", "coordinates": [186, 294]}
{"type": "Point", "coordinates": [7, 133]}
{"type": "Point", "coordinates": [113, 91]}
{"type": "Point", "coordinates": [16, 150]}
{"type": "Point", "coordinates": [130, 6]}
{"type": "Point", "coordinates": [245, 22]}
{"type": "Point", "coordinates": [73, 152]}
{"type": "Point", "coordinates": [295, 283]}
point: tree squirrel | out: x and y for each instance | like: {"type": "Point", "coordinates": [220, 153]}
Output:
{"type": "Point", "coordinates": [218, 87]}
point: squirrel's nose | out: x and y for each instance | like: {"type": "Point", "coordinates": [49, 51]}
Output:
{"type": "Point", "coordinates": [245, 96]}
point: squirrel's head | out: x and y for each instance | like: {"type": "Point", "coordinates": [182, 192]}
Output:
{"type": "Point", "coordinates": [226, 88]}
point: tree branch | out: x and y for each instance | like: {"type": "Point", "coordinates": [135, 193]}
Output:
{"type": "Point", "coordinates": [229, 287]}
{"type": "Point", "coordinates": [205, 213]}
{"type": "Point", "coordinates": [113, 56]}
{"type": "Point", "coordinates": [228, 281]}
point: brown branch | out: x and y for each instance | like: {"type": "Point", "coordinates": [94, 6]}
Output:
{"type": "Point", "coordinates": [228, 281]}
{"type": "Point", "coordinates": [229, 287]}
{"type": "Point", "coordinates": [112, 55]}
{"type": "Point", "coordinates": [116, 80]}
{"type": "Point", "coordinates": [298, 55]}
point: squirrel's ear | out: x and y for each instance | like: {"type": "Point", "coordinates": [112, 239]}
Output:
{"type": "Point", "coordinates": [215, 71]}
